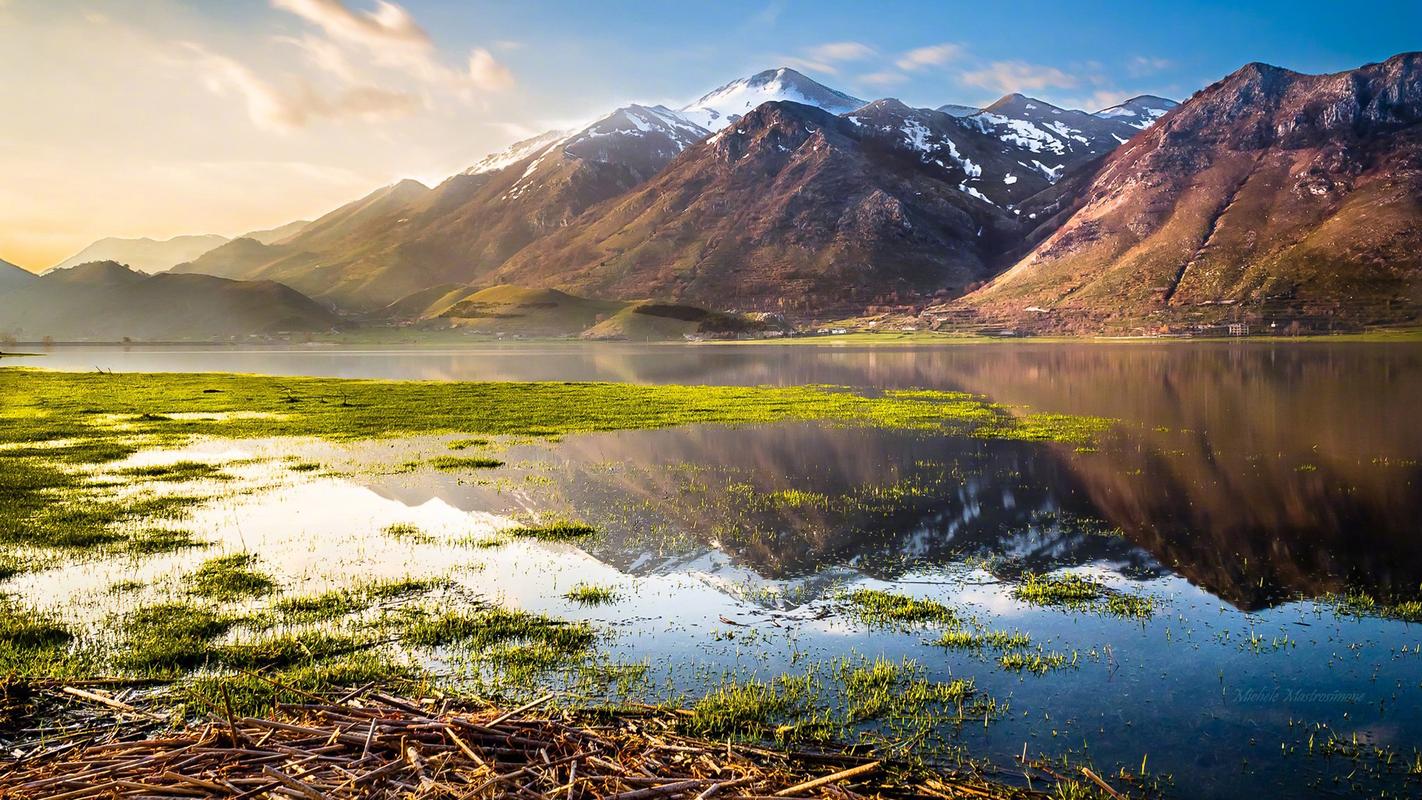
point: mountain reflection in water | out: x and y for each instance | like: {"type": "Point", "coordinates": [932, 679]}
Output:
{"type": "Point", "coordinates": [1259, 471]}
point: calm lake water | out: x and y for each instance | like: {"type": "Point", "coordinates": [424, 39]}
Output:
{"type": "Point", "coordinates": [1243, 485]}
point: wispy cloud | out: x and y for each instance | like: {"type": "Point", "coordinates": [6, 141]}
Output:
{"type": "Point", "coordinates": [840, 51]}
{"type": "Point", "coordinates": [930, 56]}
{"type": "Point", "coordinates": [1014, 76]}
{"type": "Point", "coordinates": [1141, 66]}
{"type": "Point", "coordinates": [286, 109]}
{"type": "Point", "coordinates": [389, 25]}
{"type": "Point", "coordinates": [392, 39]}
{"type": "Point", "coordinates": [487, 73]}
{"type": "Point", "coordinates": [883, 78]}
{"type": "Point", "coordinates": [825, 57]}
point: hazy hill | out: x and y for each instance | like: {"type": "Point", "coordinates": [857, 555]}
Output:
{"type": "Point", "coordinates": [520, 311]}
{"type": "Point", "coordinates": [148, 255]}
{"type": "Point", "coordinates": [13, 277]}
{"type": "Point", "coordinates": [108, 301]}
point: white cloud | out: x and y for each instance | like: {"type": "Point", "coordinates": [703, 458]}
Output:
{"type": "Point", "coordinates": [388, 25]}
{"type": "Point", "coordinates": [931, 56]}
{"type": "Point", "coordinates": [1141, 66]}
{"type": "Point", "coordinates": [284, 110]}
{"type": "Point", "coordinates": [1016, 76]}
{"type": "Point", "coordinates": [809, 64]}
{"type": "Point", "coordinates": [1101, 99]}
{"type": "Point", "coordinates": [884, 78]}
{"type": "Point", "coordinates": [831, 52]}
{"type": "Point", "coordinates": [392, 39]}
{"type": "Point", "coordinates": [487, 73]}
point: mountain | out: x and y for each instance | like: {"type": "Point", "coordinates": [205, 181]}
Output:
{"type": "Point", "coordinates": [1270, 195]}
{"type": "Point", "coordinates": [725, 105]}
{"type": "Point", "coordinates": [955, 110]}
{"type": "Point", "coordinates": [13, 277]}
{"type": "Point", "coordinates": [108, 301]}
{"type": "Point", "coordinates": [406, 238]}
{"type": "Point", "coordinates": [403, 240]}
{"type": "Point", "coordinates": [793, 208]}
{"type": "Point", "coordinates": [1048, 139]}
{"type": "Point", "coordinates": [980, 165]}
{"type": "Point", "coordinates": [148, 255]}
{"type": "Point", "coordinates": [274, 235]}
{"type": "Point", "coordinates": [1138, 112]}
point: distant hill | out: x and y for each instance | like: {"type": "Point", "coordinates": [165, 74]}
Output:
{"type": "Point", "coordinates": [519, 311]}
{"type": "Point", "coordinates": [13, 277]}
{"type": "Point", "coordinates": [148, 255]}
{"type": "Point", "coordinates": [107, 301]}
{"type": "Point", "coordinates": [277, 234]}
{"type": "Point", "coordinates": [1269, 195]}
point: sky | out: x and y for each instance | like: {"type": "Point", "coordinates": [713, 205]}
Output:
{"type": "Point", "coordinates": [164, 117]}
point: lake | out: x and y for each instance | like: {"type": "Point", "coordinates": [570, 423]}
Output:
{"type": "Point", "coordinates": [1247, 489]}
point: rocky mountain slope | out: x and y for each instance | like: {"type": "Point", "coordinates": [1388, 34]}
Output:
{"type": "Point", "coordinates": [1270, 194]}
{"type": "Point", "coordinates": [149, 255]}
{"type": "Point", "coordinates": [107, 301]}
{"type": "Point", "coordinates": [792, 208]}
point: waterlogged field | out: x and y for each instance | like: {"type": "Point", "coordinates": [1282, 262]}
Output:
{"type": "Point", "coordinates": [1176, 566]}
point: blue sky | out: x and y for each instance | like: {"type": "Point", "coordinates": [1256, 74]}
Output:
{"type": "Point", "coordinates": [671, 50]}
{"type": "Point", "coordinates": [164, 117]}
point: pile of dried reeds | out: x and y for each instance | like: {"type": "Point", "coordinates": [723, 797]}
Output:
{"type": "Point", "coordinates": [367, 744]}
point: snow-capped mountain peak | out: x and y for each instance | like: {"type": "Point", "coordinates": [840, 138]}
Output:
{"type": "Point", "coordinates": [729, 103]}
{"type": "Point", "coordinates": [517, 152]}
{"type": "Point", "coordinates": [1138, 112]}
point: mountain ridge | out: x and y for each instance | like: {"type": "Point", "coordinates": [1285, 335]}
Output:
{"type": "Point", "coordinates": [1295, 194]}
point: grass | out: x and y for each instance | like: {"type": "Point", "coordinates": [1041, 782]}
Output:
{"type": "Point", "coordinates": [177, 471]}
{"type": "Point", "coordinates": [982, 639]}
{"type": "Point", "coordinates": [1362, 604]}
{"type": "Point", "coordinates": [752, 709]}
{"type": "Point", "coordinates": [48, 406]}
{"type": "Point", "coordinates": [171, 638]}
{"type": "Point", "coordinates": [563, 531]}
{"type": "Point", "coordinates": [229, 577]}
{"type": "Point", "coordinates": [1079, 592]}
{"type": "Point", "coordinates": [1038, 662]}
{"type": "Point", "coordinates": [589, 595]}
{"type": "Point", "coordinates": [882, 688]}
{"type": "Point", "coordinates": [21, 629]}
{"type": "Point", "coordinates": [461, 463]}
{"type": "Point", "coordinates": [484, 628]}
{"type": "Point", "coordinates": [1059, 590]}
{"type": "Point", "coordinates": [407, 532]}
{"type": "Point", "coordinates": [338, 603]}
{"type": "Point", "coordinates": [876, 607]}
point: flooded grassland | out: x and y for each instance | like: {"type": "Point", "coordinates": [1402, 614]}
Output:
{"type": "Point", "coordinates": [979, 569]}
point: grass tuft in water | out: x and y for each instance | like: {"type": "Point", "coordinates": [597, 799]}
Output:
{"type": "Point", "coordinates": [229, 577]}
{"type": "Point", "coordinates": [589, 595]}
{"type": "Point", "coordinates": [563, 531]}
{"type": "Point", "coordinates": [877, 607]}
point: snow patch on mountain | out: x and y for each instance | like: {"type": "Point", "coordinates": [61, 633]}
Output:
{"type": "Point", "coordinates": [1138, 112]}
{"type": "Point", "coordinates": [517, 152]}
{"type": "Point", "coordinates": [729, 103]}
